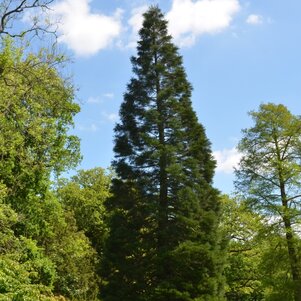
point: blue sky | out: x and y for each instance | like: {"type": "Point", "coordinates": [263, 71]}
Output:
{"type": "Point", "coordinates": [237, 54]}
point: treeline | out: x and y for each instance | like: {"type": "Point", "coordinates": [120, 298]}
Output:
{"type": "Point", "coordinates": [153, 227]}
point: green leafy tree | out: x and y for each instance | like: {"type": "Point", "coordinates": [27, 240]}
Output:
{"type": "Point", "coordinates": [62, 266]}
{"type": "Point", "coordinates": [55, 230]}
{"type": "Point", "coordinates": [36, 112]}
{"type": "Point", "coordinates": [84, 195]}
{"type": "Point", "coordinates": [274, 266]}
{"type": "Point", "coordinates": [257, 265]}
{"type": "Point", "coordinates": [75, 262]}
{"type": "Point", "coordinates": [25, 271]}
{"type": "Point", "coordinates": [163, 214]}
{"type": "Point", "coordinates": [269, 174]}
{"type": "Point", "coordinates": [244, 232]}
{"type": "Point", "coordinates": [67, 250]}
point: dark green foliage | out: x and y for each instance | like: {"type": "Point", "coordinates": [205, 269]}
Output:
{"type": "Point", "coordinates": [163, 240]}
{"type": "Point", "coordinates": [129, 249]}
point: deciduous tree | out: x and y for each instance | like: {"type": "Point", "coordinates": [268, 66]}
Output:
{"type": "Point", "coordinates": [12, 11]}
{"type": "Point", "coordinates": [36, 111]}
{"type": "Point", "coordinates": [269, 174]}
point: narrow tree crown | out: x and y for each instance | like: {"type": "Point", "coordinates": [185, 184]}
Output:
{"type": "Point", "coordinates": [156, 115]}
{"type": "Point", "coordinates": [163, 209]}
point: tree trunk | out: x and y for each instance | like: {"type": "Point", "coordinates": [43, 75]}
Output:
{"type": "Point", "coordinates": [293, 258]}
{"type": "Point", "coordinates": [289, 234]}
{"type": "Point", "coordinates": [162, 244]}
{"type": "Point", "coordinates": [291, 247]}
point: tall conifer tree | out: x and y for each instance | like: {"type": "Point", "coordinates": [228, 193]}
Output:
{"type": "Point", "coordinates": [163, 214]}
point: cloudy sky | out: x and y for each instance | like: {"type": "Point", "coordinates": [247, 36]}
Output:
{"type": "Point", "coordinates": [237, 54]}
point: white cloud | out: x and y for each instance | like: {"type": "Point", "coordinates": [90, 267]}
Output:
{"type": "Point", "coordinates": [189, 19]}
{"type": "Point", "coordinates": [112, 117]}
{"type": "Point", "coordinates": [94, 100]}
{"type": "Point", "coordinates": [254, 19]}
{"type": "Point", "coordinates": [135, 23]}
{"type": "Point", "coordinates": [98, 99]}
{"type": "Point", "coordinates": [136, 19]}
{"type": "Point", "coordinates": [88, 128]}
{"type": "Point", "coordinates": [85, 32]}
{"type": "Point", "coordinates": [226, 160]}
{"type": "Point", "coordinates": [108, 95]}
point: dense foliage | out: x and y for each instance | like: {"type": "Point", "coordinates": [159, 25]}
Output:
{"type": "Point", "coordinates": [164, 210]}
{"type": "Point", "coordinates": [258, 266]}
{"type": "Point", "coordinates": [43, 253]}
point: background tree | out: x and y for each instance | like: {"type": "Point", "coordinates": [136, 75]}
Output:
{"type": "Point", "coordinates": [25, 272]}
{"type": "Point", "coordinates": [36, 112]}
{"type": "Point", "coordinates": [43, 255]}
{"type": "Point", "coordinates": [11, 11]}
{"type": "Point", "coordinates": [83, 197]}
{"type": "Point", "coordinates": [163, 226]}
{"type": "Point", "coordinates": [269, 174]}
{"type": "Point", "coordinates": [55, 231]}
{"type": "Point", "coordinates": [257, 266]}
{"type": "Point", "coordinates": [274, 266]}
{"type": "Point", "coordinates": [244, 233]}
